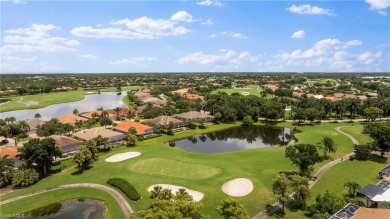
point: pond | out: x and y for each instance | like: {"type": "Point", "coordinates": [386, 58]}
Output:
{"type": "Point", "coordinates": [238, 138]}
{"type": "Point", "coordinates": [107, 100]}
{"type": "Point", "coordinates": [73, 208]}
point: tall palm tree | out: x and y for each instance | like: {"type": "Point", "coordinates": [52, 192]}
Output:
{"type": "Point", "coordinates": [104, 114]}
{"type": "Point", "coordinates": [117, 110]}
{"type": "Point", "coordinates": [23, 126]}
{"type": "Point", "coordinates": [100, 140]}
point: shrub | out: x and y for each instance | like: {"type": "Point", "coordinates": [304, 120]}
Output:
{"type": "Point", "coordinates": [25, 177]}
{"type": "Point", "coordinates": [125, 187]}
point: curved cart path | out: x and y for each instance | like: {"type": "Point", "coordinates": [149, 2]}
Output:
{"type": "Point", "coordinates": [115, 194]}
{"type": "Point", "coordinates": [276, 206]}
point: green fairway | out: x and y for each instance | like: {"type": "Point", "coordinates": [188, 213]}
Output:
{"type": "Point", "coordinates": [174, 168]}
{"type": "Point", "coordinates": [31, 203]}
{"type": "Point", "coordinates": [129, 104]}
{"type": "Point", "coordinates": [206, 173]}
{"type": "Point", "coordinates": [41, 100]}
{"type": "Point", "coordinates": [250, 90]}
{"type": "Point", "coordinates": [356, 132]}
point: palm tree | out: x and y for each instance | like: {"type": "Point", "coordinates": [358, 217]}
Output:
{"type": "Point", "coordinates": [182, 194]}
{"type": "Point", "coordinates": [155, 192]}
{"type": "Point", "coordinates": [165, 194]}
{"type": "Point", "coordinates": [37, 116]}
{"type": "Point", "coordinates": [23, 126]}
{"type": "Point", "coordinates": [6, 167]}
{"type": "Point", "coordinates": [104, 114]}
{"type": "Point", "coordinates": [353, 187]}
{"type": "Point", "coordinates": [100, 140]}
{"type": "Point", "coordinates": [75, 111]}
{"type": "Point", "coordinates": [95, 116]}
{"type": "Point", "coordinates": [117, 110]}
{"type": "Point", "coordinates": [353, 106]}
{"type": "Point", "coordinates": [10, 119]}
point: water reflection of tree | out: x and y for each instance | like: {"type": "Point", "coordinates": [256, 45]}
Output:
{"type": "Point", "coordinates": [269, 135]}
{"type": "Point", "coordinates": [47, 210]}
{"type": "Point", "coordinates": [203, 138]}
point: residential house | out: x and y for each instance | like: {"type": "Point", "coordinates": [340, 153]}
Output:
{"type": "Point", "coordinates": [352, 211]}
{"type": "Point", "coordinates": [142, 130]}
{"type": "Point", "coordinates": [194, 97]}
{"type": "Point", "coordinates": [71, 119]}
{"type": "Point", "coordinates": [375, 194]}
{"type": "Point", "coordinates": [88, 115]}
{"type": "Point", "coordinates": [34, 125]}
{"type": "Point", "coordinates": [88, 134]}
{"type": "Point", "coordinates": [165, 121]}
{"type": "Point", "coordinates": [195, 115]}
{"type": "Point", "coordinates": [66, 144]}
{"type": "Point", "coordinates": [11, 151]}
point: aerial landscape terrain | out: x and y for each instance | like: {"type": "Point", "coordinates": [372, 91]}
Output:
{"type": "Point", "coordinates": [195, 109]}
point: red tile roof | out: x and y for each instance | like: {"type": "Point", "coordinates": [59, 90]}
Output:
{"type": "Point", "coordinates": [70, 118]}
{"type": "Point", "coordinates": [10, 151]}
{"type": "Point", "coordinates": [125, 126]}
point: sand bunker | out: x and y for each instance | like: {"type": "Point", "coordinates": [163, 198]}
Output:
{"type": "Point", "coordinates": [122, 156]}
{"type": "Point", "coordinates": [197, 196]}
{"type": "Point", "coordinates": [238, 187]}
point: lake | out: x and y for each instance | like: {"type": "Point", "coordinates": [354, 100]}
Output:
{"type": "Point", "coordinates": [73, 208]}
{"type": "Point", "coordinates": [107, 100]}
{"type": "Point", "coordinates": [238, 138]}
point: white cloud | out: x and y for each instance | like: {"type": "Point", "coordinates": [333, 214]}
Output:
{"type": "Point", "coordinates": [14, 64]}
{"type": "Point", "coordinates": [298, 34]}
{"type": "Point", "coordinates": [19, 2]}
{"type": "Point", "coordinates": [36, 38]}
{"type": "Point", "coordinates": [330, 55]}
{"type": "Point", "coordinates": [383, 13]}
{"type": "Point", "coordinates": [88, 56]}
{"type": "Point", "coordinates": [309, 9]}
{"type": "Point", "coordinates": [140, 28]}
{"type": "Point", "coordinates": [234, 35]}
{"type": "Point", "coordinates": [213, 36]}
{"type": "Point", "coordinates": [210, 3]}
{"type": "Point", "coordinates": [182, 16]}
{"type": "Point", "coordinates": [227, 59]}
{"type": "Point", "coordinates": [209, 22]}
{"type": "Point", "coordinates": [133, 61]}
{"type": "Point", "coordinates": [378, 4]}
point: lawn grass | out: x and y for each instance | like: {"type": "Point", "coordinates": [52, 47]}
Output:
{"type": "Point", "coordinates": [258, 165]}
{"type": "Point", "coordinates": [27, 204]}
{"type": "Point", "coordinates": [162, 166]}
{"type": "Point", "coordinates": [41, 100]}
{"type": "Point", "coordinates": [124, 89]}
{"type": "Point", "coordinates": [356, 132]}
{"type": "Point", "coordinates": [253, 90]}
{"type": "Point", "coordinates": [129, 104]}
{"type": "Point", "coordinates": [362, 172]}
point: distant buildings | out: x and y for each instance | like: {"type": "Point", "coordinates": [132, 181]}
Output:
{"type": "Point", "coordinates": [88, 134]}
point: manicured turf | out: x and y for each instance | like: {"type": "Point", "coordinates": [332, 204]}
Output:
{"type": "Point", "coordinates": [258, 165]}
{"type": "Point", "coordinates": [126, 101]}
{"type": "Point", "coordinates": [253, 90]}
{"type": "Point", "coordinates": [41, 100]}
{"type": "Point", "coordinates": [124, 89]}
{"type": "Point", "coordinates": [356, 131]}
{"type": "Point", "coordinates": [362, 172]}
{"type": "Point", "coordinates": [31, 203]}
{"type": "Point", "coordinates": [161, 166]}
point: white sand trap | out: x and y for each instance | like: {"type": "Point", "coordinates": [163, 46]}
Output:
{"type": "Point", "coordinates": [122, 156]}
{"type": "Point", "coordinates": [197, 196]}
{"type": "Point", "coordinates": [238, 187]}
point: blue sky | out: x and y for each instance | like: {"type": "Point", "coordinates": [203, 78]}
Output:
{"type": "Point", "coordinates": [194, 36]}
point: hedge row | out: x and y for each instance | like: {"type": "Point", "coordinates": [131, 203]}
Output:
{"type": "Point", "coordinates": [125, 187]}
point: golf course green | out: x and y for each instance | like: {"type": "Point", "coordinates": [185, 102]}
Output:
{"type": "Point", "coordinates": [206, 173]}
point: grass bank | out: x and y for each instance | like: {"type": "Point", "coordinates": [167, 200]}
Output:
{"type": "Point", "coordinates": [41, 100]}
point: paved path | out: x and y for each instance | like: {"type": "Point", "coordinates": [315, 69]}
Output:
{"type": "Point", "coordinates": [115, 194]}
{"type": "Point", "coordinates": [276, 206]}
